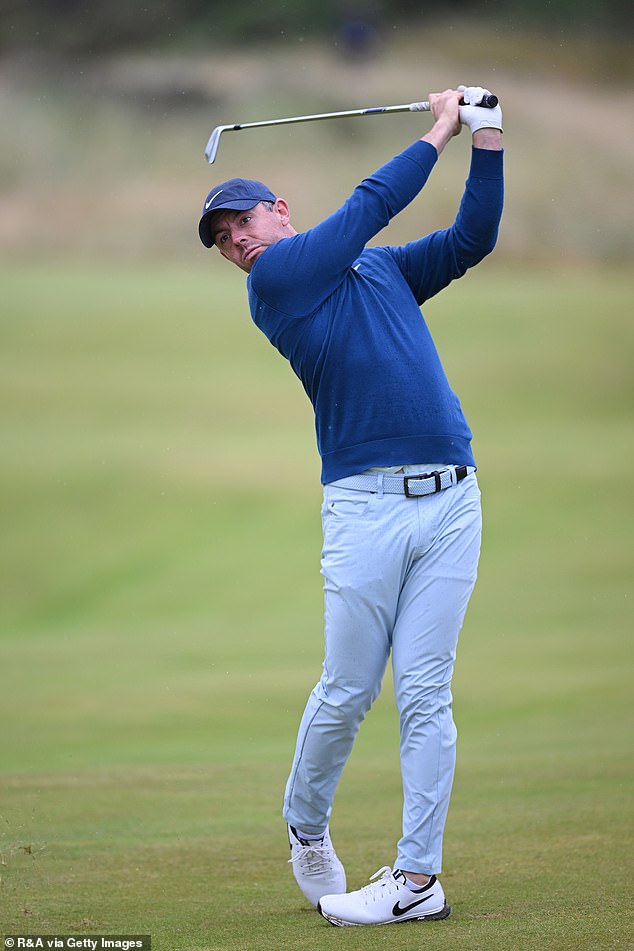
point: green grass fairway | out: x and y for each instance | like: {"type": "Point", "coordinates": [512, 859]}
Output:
{"type": "Point", "coordinates": [160, 618]}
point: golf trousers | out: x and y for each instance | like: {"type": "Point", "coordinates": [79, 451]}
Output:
{"type": "Point", "coordinates": [398, 574]}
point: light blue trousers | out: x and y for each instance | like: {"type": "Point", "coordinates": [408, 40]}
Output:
{"type": "Point", "coordinates": [398, 574]}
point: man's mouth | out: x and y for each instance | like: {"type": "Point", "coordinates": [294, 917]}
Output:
{"type": "Point", "coordinates": [251, 252]}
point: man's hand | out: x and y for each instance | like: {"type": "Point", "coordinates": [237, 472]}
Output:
{"type": "Point", "coordinates": [478, 117]}
{"type": "Point", "coordinates": [445, 110]}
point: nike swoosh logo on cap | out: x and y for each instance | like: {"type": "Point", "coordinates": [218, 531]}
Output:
{"type": "Point", "coordinates": [208, 203]}
{"type": "Point", "coordinates": [397, 910]}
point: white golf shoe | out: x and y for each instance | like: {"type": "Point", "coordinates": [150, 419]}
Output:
{"type": "Point", "coordinates": [386, 901]}
{"type": "Point", "coordinates": [316, 868]}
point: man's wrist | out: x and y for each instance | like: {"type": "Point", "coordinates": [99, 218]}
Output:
{"type": "Point", "coordinates": [440, 133]}
{"type": "Point", "coordinates": [487, 139]}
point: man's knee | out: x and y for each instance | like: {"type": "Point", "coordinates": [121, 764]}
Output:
{"type": "Point", "coordinates": [349, 700]}
{"type": "Point", "coordinates": [424, 701]}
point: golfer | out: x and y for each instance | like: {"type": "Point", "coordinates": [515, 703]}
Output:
{"type": "Point", "coordinates": [401, 505]}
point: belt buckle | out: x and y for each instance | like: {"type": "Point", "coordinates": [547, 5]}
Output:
{"type": "Point", "coordinates": [418, 478]}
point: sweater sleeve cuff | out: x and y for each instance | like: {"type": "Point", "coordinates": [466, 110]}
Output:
{"type": "Point", "coordinates": [486, 163]}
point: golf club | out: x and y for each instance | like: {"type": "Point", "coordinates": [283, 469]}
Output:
{"type": "Point", "coordinates": [488, 102]}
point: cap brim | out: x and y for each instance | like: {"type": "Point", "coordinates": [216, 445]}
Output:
{"type": "Point", "coordinates": [204, 225]}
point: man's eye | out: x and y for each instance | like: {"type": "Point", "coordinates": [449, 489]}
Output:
{"type": "Point", "coordinates": [222, 238]}
{"type": "Point", "coordinates": [245, 220]}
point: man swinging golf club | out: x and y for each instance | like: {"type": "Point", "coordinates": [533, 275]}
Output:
{"type": "Point", "coordinates": [401, 508]}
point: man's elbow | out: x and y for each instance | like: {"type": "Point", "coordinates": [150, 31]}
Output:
{"type": "Point", "coordinates": [472, 252]}
{"type": "Point", "coordinates": [489, 244]}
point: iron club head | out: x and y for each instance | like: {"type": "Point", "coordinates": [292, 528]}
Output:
{"type": "Point", "coordinates": [214, 141]}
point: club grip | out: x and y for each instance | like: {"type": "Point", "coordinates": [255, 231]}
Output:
{"type": "Point", "coordinates": [487, 102]}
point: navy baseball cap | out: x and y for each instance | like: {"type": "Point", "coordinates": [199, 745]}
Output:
{"type": "Point", "coordinates": [236, 194]}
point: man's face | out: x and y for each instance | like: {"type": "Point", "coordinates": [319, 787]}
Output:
{"type": "Point", "coordinates": [242, 236]}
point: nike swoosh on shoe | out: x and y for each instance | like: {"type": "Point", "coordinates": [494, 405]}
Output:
{"type": "Point", "coordinates": [397, 910]}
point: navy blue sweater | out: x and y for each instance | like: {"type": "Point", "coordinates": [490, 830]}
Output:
{"type": "Point", "coordinates": [347, 317]}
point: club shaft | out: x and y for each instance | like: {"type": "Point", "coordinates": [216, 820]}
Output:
{"type": "Point", "coordinates": [348, 113]}
{"type": "Point", "coordinates": [214, 139]}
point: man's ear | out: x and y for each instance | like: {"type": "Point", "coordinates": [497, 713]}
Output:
{"type": "Point", "coordinates": [282, 209]}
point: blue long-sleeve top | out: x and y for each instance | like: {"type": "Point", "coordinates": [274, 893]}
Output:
{"type": "Point", "coordinates": [347, 317]}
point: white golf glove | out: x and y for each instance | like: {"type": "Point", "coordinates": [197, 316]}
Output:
{"type": "Point", "coordinates": [478, 117]}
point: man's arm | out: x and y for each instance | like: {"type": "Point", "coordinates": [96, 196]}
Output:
{"type": "Point", "coordinates": [431, 263]}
